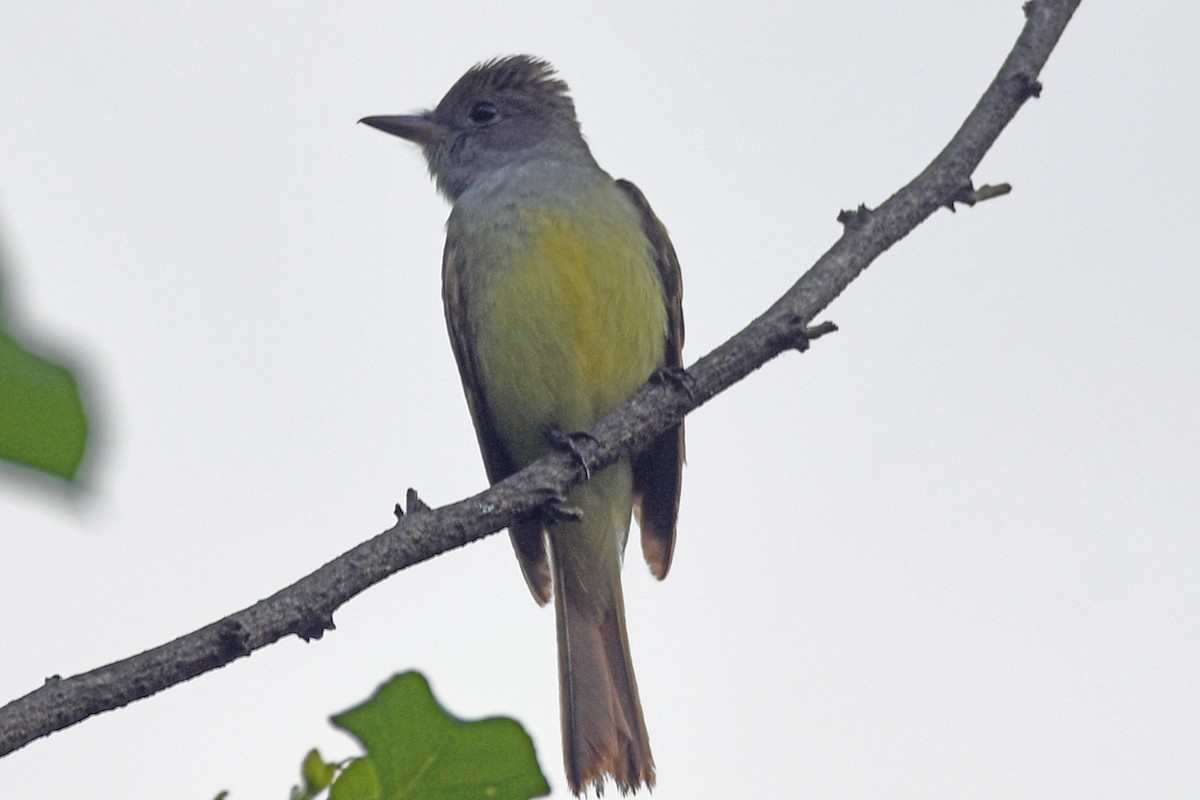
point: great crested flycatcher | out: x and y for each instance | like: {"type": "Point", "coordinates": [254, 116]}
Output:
{"type": "Point", "coordinates": [562, 297]}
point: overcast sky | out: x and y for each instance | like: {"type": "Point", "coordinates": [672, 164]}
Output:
{"type": "Point", "coordinates": [953, 551]}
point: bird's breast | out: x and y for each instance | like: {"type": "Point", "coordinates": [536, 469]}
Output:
{"type": "Point", "coordinates": [566, 310]}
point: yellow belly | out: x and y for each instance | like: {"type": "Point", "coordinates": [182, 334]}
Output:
{"type": "Point", "coordinates": [572, 322]}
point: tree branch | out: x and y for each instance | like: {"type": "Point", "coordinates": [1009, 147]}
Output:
{"type": "Point", "coordinates": [306, 607]}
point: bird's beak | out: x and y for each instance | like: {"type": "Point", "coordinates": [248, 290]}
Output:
{"type": "Point", "coordinates": [420, 129]}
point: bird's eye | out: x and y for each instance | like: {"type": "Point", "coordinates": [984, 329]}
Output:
{"type": "Point", "coordinates": [483, 113]}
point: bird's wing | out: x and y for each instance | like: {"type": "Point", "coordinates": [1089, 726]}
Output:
{"type": "Point", "coordinates": [528, 536]}
{"type": "Point", "coordinates": [658, 470]}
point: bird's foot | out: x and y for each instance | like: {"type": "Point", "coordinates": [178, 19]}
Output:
{"type": "Point", "coordinates": [557, 509]}
{"type": "Point", "coordinates": [678, 377]}
{"type": "Point", "coordinates": [570, 442]}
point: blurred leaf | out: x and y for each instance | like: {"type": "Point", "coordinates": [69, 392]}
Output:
{"type": "Point", "coordinates": [42, 423]}
{"type": "Point", "coordinates": [357, 782]}
{"type": "Point", "coordinates": [317, 775]}
{"type": "Point", "coordinates": [419, 752]}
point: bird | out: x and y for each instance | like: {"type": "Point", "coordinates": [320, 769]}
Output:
{"type": "Point", "coordinates": [562, 294]}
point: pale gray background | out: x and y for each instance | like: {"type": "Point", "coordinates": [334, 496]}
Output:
{"type": "Point", "coordinates": [952, 552]}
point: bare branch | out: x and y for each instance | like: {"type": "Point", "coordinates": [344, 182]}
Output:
{"type": "Point", "coordinates": [305, 608]}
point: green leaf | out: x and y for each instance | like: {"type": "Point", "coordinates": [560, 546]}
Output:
{"type": "Point", "coordinates": [42, 423]}
{"type": "Point", "coordinates": [419, 752]}
{"type": "Point", "coordinates": [317, 774]}
{"type": "Point", "coordinates": [357, 782]}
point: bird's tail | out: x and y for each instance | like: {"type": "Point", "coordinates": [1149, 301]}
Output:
{"type": "Point", "coordinates": [603, 729]}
